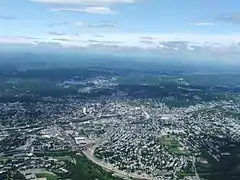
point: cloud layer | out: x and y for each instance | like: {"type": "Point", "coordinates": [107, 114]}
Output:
{"type": "Point", "coordinates": [54, 33]}
{"type": "Point", "coordinates": [8, 17]}
{"type": "Point", "coordinates": [95, 10]}
{"type": "Point", "coordinates": [234, 19]}
{"type": "Point", "coordinates": [144, 41]}
{"type": "Point", "coordinates": [203, 23]}
{"type": "Point", "coordinates": [192, 46]}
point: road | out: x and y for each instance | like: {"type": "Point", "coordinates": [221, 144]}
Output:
{"type": "Point", "coordinates": [195, 169]}
{"type": "Point", "coordinates": [89, 153]}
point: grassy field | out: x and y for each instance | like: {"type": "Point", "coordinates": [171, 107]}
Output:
{"type": "Point", "coordinates": [81, 169]}
{"type": "Point", "coordinates": [63, 158]}
{"type": "Point", "coordinates": [173, 145]}
{"type": "Point", "coordinates": [49, 176]}
{"type": "Point", "coordinates": [5, 158]}
{"type": "Point", "coordinates": [55, 153]}
{"type": "Point", "coordinates": [85, 169]}
{"type": "Point", "coordinates": [181, 175]}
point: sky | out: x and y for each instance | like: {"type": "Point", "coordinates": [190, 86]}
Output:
{"type": "Point", "coordinates": [203, 28]}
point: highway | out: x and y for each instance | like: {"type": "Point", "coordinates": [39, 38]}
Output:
{"type": "Point", "coordinates": [195, 169]}
{"type": "Point", "coordinates": [89, 153]}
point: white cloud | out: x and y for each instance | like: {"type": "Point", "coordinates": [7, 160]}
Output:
{"type": "Point", "coordinates": [8, 17]}
{"type": "Point", "coordinates": [102, 24]}
{"type": "Point", "coordinates": [95, 10]}
{"type": "Point", "coordinates": [81, 24]}
{"type": "Point", "coordinates": [146, 41]}
{"type": "Point", "coordinates": [62, 39]}
{"type": "Point", "coordinates": [58, 24]}
{"type": "Point", "coordinates": [66, 23]}
{"type": "Point", "coordinates": [84, 2]}
{"type": "Point", "coordinates": [159, 42]}
{"type": "Point", "coordinates": [203, 24]}
{"type": "Point", "coordinates": [147, 38]}
{"type": "Point", "coordinates": [18, 40]}
{"type": "Point", "coordinates": [187, 46]}
{"type": "Point", "coordinates": [55, 33]}
{"type": "Point", "coordinates": [234, 19]}
{"type": "Point", "coordinates": [170, 44]}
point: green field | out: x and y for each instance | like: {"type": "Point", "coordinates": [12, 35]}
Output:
{"type": "Point", "coordinates": [49, 176]}
{"type": "Point", "coordinates": [56, 153]}
{"type": "Point", "coordinates": [173, 145]}
{"type": "Point", "coordinates": [82, 170]}
{"type": "Point", "coordinates": [181, 175]}
{"type": "Point", "coordinates": [85, 169]}
{"type": "Point", "coordinates": [63, 158]}
{"type": "Point", "coordinates": [5, 158]}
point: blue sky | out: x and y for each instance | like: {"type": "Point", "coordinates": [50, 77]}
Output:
{"type": "Point", "coordinates": [144, 16]}
{"type": "Point", "coordinates": [196, 25]}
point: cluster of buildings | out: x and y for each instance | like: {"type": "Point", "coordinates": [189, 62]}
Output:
{"type": "Point", "coordinates": [29, 166]}
{"type": "Point", "coordinates": [143, 137]}
{"type": "Point", "coordinates": [166, 141]}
